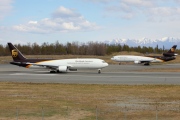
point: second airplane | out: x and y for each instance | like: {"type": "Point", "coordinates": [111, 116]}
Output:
{"type": "Point", "coordinates": [146, 60]}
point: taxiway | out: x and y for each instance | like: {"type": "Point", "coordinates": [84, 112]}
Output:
{"type": "Point", "coordinates": [113, 74]}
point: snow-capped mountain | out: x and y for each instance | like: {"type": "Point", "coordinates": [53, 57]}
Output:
{"type": "Point", "coordinates": [167, 42]}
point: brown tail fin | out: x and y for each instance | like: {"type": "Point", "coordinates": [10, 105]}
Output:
{"type": "Point", "coordinates": [16, 54]}
{"type": "Point", "coordinates": [171, 52]}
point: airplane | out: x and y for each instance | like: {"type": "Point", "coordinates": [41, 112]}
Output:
{"type": "Point", "coordinates": [170, 55]}
{"type": "Point", "coordinates": [56, 66]}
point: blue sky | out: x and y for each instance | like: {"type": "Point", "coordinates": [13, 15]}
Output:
{"type": "Point", "coordinates": [29, 21]}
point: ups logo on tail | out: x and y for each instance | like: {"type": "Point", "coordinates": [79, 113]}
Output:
{"type": "Point", "coordinates": [14, 53]}
{"type": "Point", "coordinates": [172, 49]}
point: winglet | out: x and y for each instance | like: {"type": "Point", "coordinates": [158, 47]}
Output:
{"type": "Point", "coordinates": [15, 53]}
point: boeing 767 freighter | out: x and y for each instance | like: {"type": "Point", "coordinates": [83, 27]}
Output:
{"type": "Point", "coordinates": [62, 65]}
{"type": "Point", "coordinates": [170, 55]}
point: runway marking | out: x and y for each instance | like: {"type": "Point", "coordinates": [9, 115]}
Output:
{"type": "Point", "coordinates": [132, 77]}
{"type": "Point", "coordinates": [33, 74]}
{"type": "Point", "coordinates": [91, 76]}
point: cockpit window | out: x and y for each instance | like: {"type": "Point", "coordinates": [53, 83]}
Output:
{"type": "Point", "coordinates": [103, 62]}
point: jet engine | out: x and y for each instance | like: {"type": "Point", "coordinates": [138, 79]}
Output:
{"type": "Point", "coordinates": [137, 62]}
{"type": "Point", "coordinates": [62, 68]}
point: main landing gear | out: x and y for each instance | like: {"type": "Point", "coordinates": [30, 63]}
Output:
{"type": "Point", "coordinates": [55, 71]}
{"type": "Point", "coordinates": [147, 64]}
{"type": "Point", "coordinates": [99, 71]}
{"type": "Point", "coordinates": [52, 71]}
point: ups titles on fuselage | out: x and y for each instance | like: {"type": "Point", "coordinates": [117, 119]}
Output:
{"type": "Point", "coordinates": [81, 61]}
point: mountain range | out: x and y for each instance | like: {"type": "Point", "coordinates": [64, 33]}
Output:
{"type": "Point", "coordinates": [167, 42]}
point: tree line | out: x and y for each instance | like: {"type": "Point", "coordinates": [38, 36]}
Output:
{"type": "Point", "coordinates": [76, 48]}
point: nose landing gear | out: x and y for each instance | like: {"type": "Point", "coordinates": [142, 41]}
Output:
{"type": "Point", "coordinates": [99, 71]}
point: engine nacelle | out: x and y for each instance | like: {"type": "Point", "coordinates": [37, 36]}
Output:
{"type": "Point", "coordinates": [137, 62]}
{"type": "Point", "coordinates": [62, 68]}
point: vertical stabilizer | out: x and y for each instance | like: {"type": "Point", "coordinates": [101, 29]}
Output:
{"type": "Point", "coordinates": [15, 53]}
{"type": "Point", "coordinates": [171, 52]}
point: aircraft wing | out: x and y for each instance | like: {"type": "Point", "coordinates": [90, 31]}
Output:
{"type": "Point", "coordinates": [45, 66]}
{"type": "Point", "coordinates": [142, 61]}
{"type": "Point", "coordinates": [55, 67]}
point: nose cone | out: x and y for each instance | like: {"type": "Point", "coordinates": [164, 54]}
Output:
{"type": "Point", "coordinates": [112, 58]}
{"type": "Point", "coordinates": [106, 64]}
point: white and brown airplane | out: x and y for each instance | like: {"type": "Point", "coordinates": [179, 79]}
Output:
{"type": "Point", "coordinates": [61, 65]}
{"type": "Point", "coordinates": [146, 60]}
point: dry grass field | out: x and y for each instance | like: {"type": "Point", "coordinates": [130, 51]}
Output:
{"type": "Point", "coordinates": [31, 101]}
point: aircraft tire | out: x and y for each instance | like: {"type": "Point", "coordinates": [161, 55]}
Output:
{"type": "Point", "coordinates": [99, 71]}
{"type": "Point", "coordinates": [146, 64]}
{"type": "Point", "coordinates": [52, 71]}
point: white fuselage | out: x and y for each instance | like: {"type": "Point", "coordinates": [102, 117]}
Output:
{"type": "Point", "coordinates": [79, 63]}
{"type": "Point", "coordinates": [132, 58]}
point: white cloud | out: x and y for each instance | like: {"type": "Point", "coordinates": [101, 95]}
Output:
{"type": "Point", "coordinates": [178, 1]}
{"type": "Point", "coordinates": [5, 8]}
{"type": "Point", "coordinates": [139, 3]}
{"type": "Point", "coordinates": [128, 9]}
{"type": "Point", "coordinates": [99, 1]}
{"type": "Point", "coordinates": [32, 22]}
{"type": "Point", "coordinates": [152, 10]}
{"type": "Point", "coordinates": [63, 12]}
{"type": "Point", "coordinates": [165, 11]}
{"type": "Point", "coordinates": [62, 20]}
{"type": "Point", "coordinates": [163, 14]}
